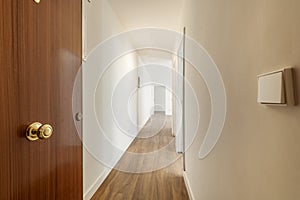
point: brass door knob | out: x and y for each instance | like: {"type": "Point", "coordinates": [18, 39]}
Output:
{"type": "Point", "coordinates": [45, 131]}
{"type": "Point", "coordinates": [37, 131]}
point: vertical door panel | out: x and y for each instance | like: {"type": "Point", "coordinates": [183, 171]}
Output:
{"type": "Point", "coordinates": [40, 56]}
{"type": "Point", "coordinates": [9, 119]}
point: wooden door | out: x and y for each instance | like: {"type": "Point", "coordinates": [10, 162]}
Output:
{"type": "Point", "coordinates": [40, 54]}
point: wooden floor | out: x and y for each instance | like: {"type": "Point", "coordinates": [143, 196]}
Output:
{"type": "Point", "coordinates": [163, 184]}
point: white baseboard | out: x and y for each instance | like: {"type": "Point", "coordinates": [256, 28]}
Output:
{"type": "Point", "coordinates": [94, 187]}
{"type": "Point", "coordinates": [188, 186]}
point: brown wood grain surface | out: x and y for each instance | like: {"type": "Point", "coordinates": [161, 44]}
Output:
{"type": "Point", "coordinates": [40, 53]}
{"type": "Point", "coordinates": [163, 184]}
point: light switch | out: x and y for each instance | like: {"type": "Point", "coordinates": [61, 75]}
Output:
{"type": "Point", "coordinates": [270, 89]}
{"type": "Point", "coordinates": [276, 88]}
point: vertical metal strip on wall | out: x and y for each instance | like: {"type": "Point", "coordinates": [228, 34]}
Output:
{"type": "Point", "coordinates": [183, 102]}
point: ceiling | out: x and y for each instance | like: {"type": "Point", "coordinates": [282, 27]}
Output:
{"type": "Point", "coordinates": [135, 14]}
{"type": "Point", "coordinates": [149, 56]}
{"type": "Point", "coordinates": [149, 13]}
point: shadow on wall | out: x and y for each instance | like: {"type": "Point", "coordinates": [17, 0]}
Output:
{"type": "Point", "coordinates": [296, 71]}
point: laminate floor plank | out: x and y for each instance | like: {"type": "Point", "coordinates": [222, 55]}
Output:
{"type": "Point", "coordinates": [164, 184]}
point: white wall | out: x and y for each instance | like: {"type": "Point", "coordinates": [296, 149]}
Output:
{"type": "Point", "coordinates": [100, 22]}
{"type": "Point", "coordinates": [257, 156]}
{"type": "Point", "coordinates": [163, 100]}
{"type": "Point", "coordinates": [159, 99]}
{"type": "Point", "coordinates": [177, 87]}
{"type": "Point", "coordinates": [168, 102]}
{"type": "Point", "coordinates": [145, 97]}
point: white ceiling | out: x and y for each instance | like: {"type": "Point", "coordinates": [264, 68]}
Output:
{"type": "Point", "coordinates": [149, 13]}
{"type": "Point", "coordinates": [155, 57]}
